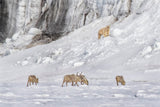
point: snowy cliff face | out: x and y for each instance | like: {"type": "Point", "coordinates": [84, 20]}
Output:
{"type": "Point", "coordinates": [65, 16]}
{"type": "Point", "coordinates": [58, 17]}
{"type": "Point", "coordinates": [22, 13]}
{"type": "Point", "coordinates": [16, 15]}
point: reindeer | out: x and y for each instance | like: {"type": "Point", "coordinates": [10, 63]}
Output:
{"type": "Point", "coordinates": [120, 79]}
{"type": "Point", "coordinates": [32, 79]}
{"type": "Point", "coordinates": [74, 79]}
{"type": "Point", "coordinates": [71, 78]}
{"type": "Point", "coordinates": [104, 31]}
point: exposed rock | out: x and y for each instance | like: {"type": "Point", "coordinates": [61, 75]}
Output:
{"type": "Point", "coordinates": [39, 39]}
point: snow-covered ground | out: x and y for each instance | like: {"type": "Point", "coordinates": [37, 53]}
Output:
{"type": "Point", "coordinates": [131, 50]}
{"type": "Point", "coordinates": [100, 93]}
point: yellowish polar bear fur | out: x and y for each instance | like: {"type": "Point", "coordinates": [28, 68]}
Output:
{"type": "Point", "coordinates": [104, 31]}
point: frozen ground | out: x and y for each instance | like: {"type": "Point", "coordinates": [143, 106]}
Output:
{"type": "Point", "coordinates": [131, 50]}
{"type": "Point", "coordinates": [100, 93]}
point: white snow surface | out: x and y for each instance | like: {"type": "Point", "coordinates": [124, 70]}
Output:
{"type": "Point", "coordinates": [131, 50]}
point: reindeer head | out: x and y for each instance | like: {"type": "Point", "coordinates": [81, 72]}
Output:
{"type": "Point", "coordinates": [85, 81]}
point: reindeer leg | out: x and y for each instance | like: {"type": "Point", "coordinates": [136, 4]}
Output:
{"type": "Point", "coordinates": [72, 83]}
{"type": "Point", "coordinates": [117, 83]}
{"type": "Point", "coordinates": [108, 33]}
{"type": "Point", "coordinates": [121, 83]}
{"type": "Point", "coordinates": [77, 84]}
{"type": "Point", "coordinates": [62, 83]}
{"type": "Point", "coordinates": [27, 84]}
{"type": "Point", "coordinates": [99, 36]}
{"type": "Point", "coordinates": [66, 84]}
{"type": "Point", "coordinates": [82, 83]}
{"type": "Point", "coordinates": [105, 34]}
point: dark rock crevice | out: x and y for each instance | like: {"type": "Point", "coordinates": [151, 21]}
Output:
{"type": "Point", "coordinates": [85, 17]}
{"type": "Point", "coordinates": [3, 20]}
{"type": "Point", "coordinates": [54, 18]}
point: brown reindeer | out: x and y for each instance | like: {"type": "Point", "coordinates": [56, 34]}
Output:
{"type": "Point", "coordinates": [120, 79]}
{"type": "Point", "coordinates": [71, 78]}
{"type": "Point", "coordinates": [32, 79]}
{"type": "Point", "coordinates": [104, 31]}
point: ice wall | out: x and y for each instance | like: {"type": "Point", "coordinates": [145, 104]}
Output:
{"type": "Point", "coordinates": [63, 16]}
{"type": "Point", "coordinates": [58, 17]}
{"type": "Point", "coordinates": [17, 15]}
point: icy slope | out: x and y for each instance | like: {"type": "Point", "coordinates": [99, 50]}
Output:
{"type": "Point", "coordinates": [134, 42]}
{"type": "Point", "coordinates": [132, 47]}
